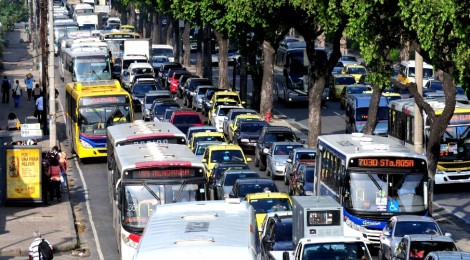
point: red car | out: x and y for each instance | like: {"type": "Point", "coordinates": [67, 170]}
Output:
{"type": "Point", "coordinates": [174, 80]}
{"type": "Point", "coordinates": [184, 119]}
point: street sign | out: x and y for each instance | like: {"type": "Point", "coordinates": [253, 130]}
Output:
{"type": "Point", "coordinates": [31, 130]}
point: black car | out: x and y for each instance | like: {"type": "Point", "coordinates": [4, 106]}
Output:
{"type": "Point", "coordinates": [268, 136]}
{"type": "Point", "coordinates": [220, 168]}
{"type": "Point", "coordinates": [163, 71]}
{"type": "Point", "coordinates": [277, 234]}
{"type": "Point", "coordinates": [206, 100]}
{"type": "Point", "coordinates": [139, 89]}
{"type": "Point", "coordinates": [247, 134]}
{"type": "Point", "coordinates": [182, 82]}
{"type": "Point", "coordinates": [190, 88]}
{"type": "Point", "coordinates": [242, 187]}
{"type": "Point", "coordinates": [159, 107]}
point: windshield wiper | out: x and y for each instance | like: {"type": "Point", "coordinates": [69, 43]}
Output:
{"type": "Point", "coordinates": [400, 182]}
{"type": "Point", "coordinates": [183, 185]}
{"type": "Point", "coordinates": [151, 192]}
{"type": "Point", "coordinates": [94, 72]}
{"type": "Point", "coordinates": [374, 181]}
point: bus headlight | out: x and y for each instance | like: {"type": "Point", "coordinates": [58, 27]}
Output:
{"type": "Point", "coordinates": [85, 144]}
{"type": "Point", "coordinates": [355, 226]}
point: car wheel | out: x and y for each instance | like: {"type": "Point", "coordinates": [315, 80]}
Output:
{"type": "Point", "coordinates": [262, 166]}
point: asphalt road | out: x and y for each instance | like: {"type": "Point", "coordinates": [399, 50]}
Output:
{"type": "Point", "coordinates": [89, 193]}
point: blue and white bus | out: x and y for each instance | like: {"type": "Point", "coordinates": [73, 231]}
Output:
{"type": "Point", "coordinates": [373, 178]}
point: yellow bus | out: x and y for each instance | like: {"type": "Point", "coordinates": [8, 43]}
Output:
{"type": "Point", "coordinates": [453, 165]}
{"type": "Point", "coordinates": [91, 106]}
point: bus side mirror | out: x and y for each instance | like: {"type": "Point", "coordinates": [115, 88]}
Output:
{"type": "Point", "coordinates": [118, 194]}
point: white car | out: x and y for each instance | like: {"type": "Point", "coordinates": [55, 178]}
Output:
{"type": "Point", "coordinates": [220, 116]}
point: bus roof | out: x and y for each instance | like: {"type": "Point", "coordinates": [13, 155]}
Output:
{"type": "Point", "coordinates": [206, 229]}
{"type": "Point", "coordinates": [146, 155]}
{"type": "Point", "coordinates": [353, 145]}
{"type": "Point", "coordinates": [363, 100]}
{"type": "Point", "coordinates": [91, 86]}
{"type": "Point", "coordinates": [140, 130]}
{"type": "Point", "coordinates": [437, 104]}
{"type": "Point", "coordinates": [84, 51]}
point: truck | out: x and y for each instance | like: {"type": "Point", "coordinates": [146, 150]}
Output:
{"type": "Point", "coordinates": [89, 21]}
{"type": "Point", "coordinates": [137, 47]}
{"type": "Point", "coordinates": [317, 224]}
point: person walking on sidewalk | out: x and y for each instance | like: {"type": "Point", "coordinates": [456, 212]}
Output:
{"type": "Point", "coordinates": [45, 182]}
{"type": "Point", "coordinates": [63, 173]}
{"type": "Point", "coordinates": [6, 86]}
{"type": "Point", "coordinates": [28, 81]}
{"type": "Point", "coordinates": [34, 247]}
{"type": "Point", "coordinates": [17, 93]}
{"type": "Point", "coordinates": [37, 92]}
{"type": "Point", "coordinates": [54, 173]}
{"type": "Point", "coordinates": [40, 108]}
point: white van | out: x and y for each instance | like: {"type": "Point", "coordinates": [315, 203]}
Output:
{"type": "Point", "coordinates": [407, 72]}
{"type": "Point", "coordinates": [201, 230]}
{"type": "Point", "coordinates": [163, 50]}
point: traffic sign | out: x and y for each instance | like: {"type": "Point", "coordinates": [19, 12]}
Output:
{"type": "Point", "coordinates": [30, 126]}
{"type": "Point", "coordinates": [31, 130]}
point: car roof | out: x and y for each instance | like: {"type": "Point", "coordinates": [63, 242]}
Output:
{"type": "Point", "coordinates": [255, 181]}
{"type": "Point", "coordinates": [414, 218]}
{"type": "Point", "coordinates": [208, 143]}
{"type": "Point", "coordinates": [202, 127]}
{"type": "Point", "coordinates": [197, 134]}
{"type": "Point", "coordinates": [224, 147]}
{"type": "Point", "coordinates": [239, 171]}
{"type": "Point", "coordinates": [165, 101]}
{"type": "Point", "coordinates": [287, 143]}
{"type": "Point", "coordinates": [267, 195]}
{"type": "Point", "coordinates": [427, 237]}
{"type": "Point", "coordinates": [271, 128]}
{"type": "Point", "coordinates": [185, 112]}
{"type": "Point", "coordinates": [158, 92]}
{"type": "Point", "coordinates": [305, 149]}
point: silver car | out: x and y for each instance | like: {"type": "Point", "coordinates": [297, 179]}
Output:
{"type": "Point", "coordinates": [225, 185]}
{"type": "Point", "coordinates": [399, 226]}
{"type": "Point", "coordinates": [200, 92]}
{"type": "Point", "coordinates": [277, 156]}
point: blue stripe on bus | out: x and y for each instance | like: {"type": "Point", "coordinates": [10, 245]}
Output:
{"type": "Point", "coordinates": [95, 142]}
{"type": "Point", "coordinates": [369, 224]}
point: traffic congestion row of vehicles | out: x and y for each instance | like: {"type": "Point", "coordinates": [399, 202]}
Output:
{"type": "Point", "coordinates": [164, 169]}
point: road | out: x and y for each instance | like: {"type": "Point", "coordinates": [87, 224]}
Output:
{"type": "Point", "coordinates": [92, 205]}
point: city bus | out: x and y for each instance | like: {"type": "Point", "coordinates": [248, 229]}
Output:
{"type": "Point", "coordinates": [115, 41]}
{"type": "Point", "coordinates": [373, 178]}
{"type": "Point", "coordinates": [357, 112]}
{"type": "Point", "coordinates": [91, 106]}
{"type": "Point", "coordinates": [61, 29]}
{"type": "Point", "coordinates": [150, 175]}
{"type": "Point", "coordinates": [139, 132]}
{"type": "Point", "coordinates": [86, 63]}
{"type": "Point", "coordinates": [453, 164]}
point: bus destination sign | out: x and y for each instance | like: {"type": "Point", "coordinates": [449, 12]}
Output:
{"type": "Point", "coordinates": [102, 100]}
{"type": "Point", "coordinates": [161, 173]}
{"type": "Point", "coordinates": [391, 162]}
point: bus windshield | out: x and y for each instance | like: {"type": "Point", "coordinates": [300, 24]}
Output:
{"type": "Point", "coordinates": [386, 191]}
{"type": "Point", "coordinates": [94, 120]}
{"type": "Point", "coordinates": [363, 112]}
{"type": "Point", "coordinates": [140, 201]}
{"type": "Point", "coordinates": [92, 68]}
{"type": "Point", "coordinates": [455, 143]}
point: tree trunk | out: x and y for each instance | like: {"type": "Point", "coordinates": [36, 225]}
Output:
{"type": "Point", "coordinates": [186, 44]}
{"type": "Point", "coordinates": [124, 16]}
{"type": "Point", "coordinates": [243, 79]}
{"type": "Point", "coordinates": [373, 109]}
{"type": "Point", "coordinates": [200, 54]}
{"type": "Point", "coordinates": [169, 31]}
{"type": "Point", "coordinates": [314, 110]}
{"type": "Point", "coordinates": [206, 53]}
{"type": "Point", "coordinates": [223, 61]}
{"type": "Point", "coordinates": [155, 28]}
{"type": "Point", "coordinates": [268, 75]}
{"type": "Point", "coordinates": [132, 19]}
{"type": "Point", "coordinates": [176, 41]}
{"type": "Point", "coordinates": [257, 78]}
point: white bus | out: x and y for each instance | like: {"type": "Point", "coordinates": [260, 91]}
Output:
{"type": "Point", "coordinates": [84, 64]}
{"type": "Point", "coordinates": [149, 175]}
{"type": "Point", "coordinates": [207, 230]}
{"type": "Point", "coordinates": [373, 178]}
{"type": "Point", "coordinates": [141, 132]}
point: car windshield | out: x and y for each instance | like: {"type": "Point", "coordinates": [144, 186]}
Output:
{"type": "Point", "coordinates": [187, 119]}
{"type": "Point", "coordinates": [335, 250]}
{"type": "Point", "coordinates": [266, 205]}
{"type": "Point", "coordinates": [208, 138]}
{"type": "Point", "coordinates": [200, 149]}
{"type": "Point", "coordinates": [143, 88]}
{"type": "Point", "coordinates": [279, 137]}
{"type": "Point", "coordinates": [255, 188]}
{"type": "Point", "coordinates": [252, 127]}
{"type": "Point", "coordinates": [305, 156]}
{"type": "Point", "coordinates": [151, 98]}
{"type": "Point", "coordinates": [160, 109]}
{"type": "Point", "coordinates": [345, 80]}
{"type": "Point", "coordinates": [419, 249]}
{"type": "Point", "coordinates": [231, 178]}
{"type": "Point", "coordinates": [285, 149]}
{"type": "Point", "coordinates": [348, 58]}
{"type": "Point", "coordinates": [227, 156]}
{"type": "Point", "coordinates": [202, 91]}
{"type": "Point", "coordinates": [224, 110]}
{"type": "Point", "coordinates": [415, 227]}
{"type": "Point", "coordinates": [196, 83]}
{"type": "Point", "coordinates": [356, 90]}
{"type": "Point", "coordinates": [357, 70]}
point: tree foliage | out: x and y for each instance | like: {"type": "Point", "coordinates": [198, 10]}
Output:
{"type": "Point", "coordinates": [13, 11]}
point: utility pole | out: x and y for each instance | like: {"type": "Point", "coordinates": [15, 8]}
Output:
{"type": "Point", "coordinates": [51, 74]}
{"type": "Point", "coordinates": [418, 119]}
{"type": "Point", "coordinates": [43, 42]}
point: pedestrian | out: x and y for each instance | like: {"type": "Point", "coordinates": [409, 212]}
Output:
{"type": "Point", "coordinates": [16, 93]}
{"type": "Point", "coordinates": [37, 92]}
{"type": "Point", "coordinates": [54, 173]}
{"type": "Point", "coordinates": [45, 182]}
{"type": "Point", "coordinates": [6, 86]}
{"type": "Point", "coordinates": [63, 173]}
{"type": "Point", "coordinates": [28, 81]}
{"type": "Point", "coordinates": [40, 108]}
{"type": "Point", "coordinates": [34, 248]}
{"type": "Point", "coordinates": [55, 151]}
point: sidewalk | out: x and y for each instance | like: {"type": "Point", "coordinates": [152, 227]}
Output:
{"type": "Point", "coordinates": [17, 224]}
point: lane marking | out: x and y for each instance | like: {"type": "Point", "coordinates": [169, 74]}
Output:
{"type": "Point", "coordinates": [87, 201]}
{"type": "Point", "coordinates": [336, 113]}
